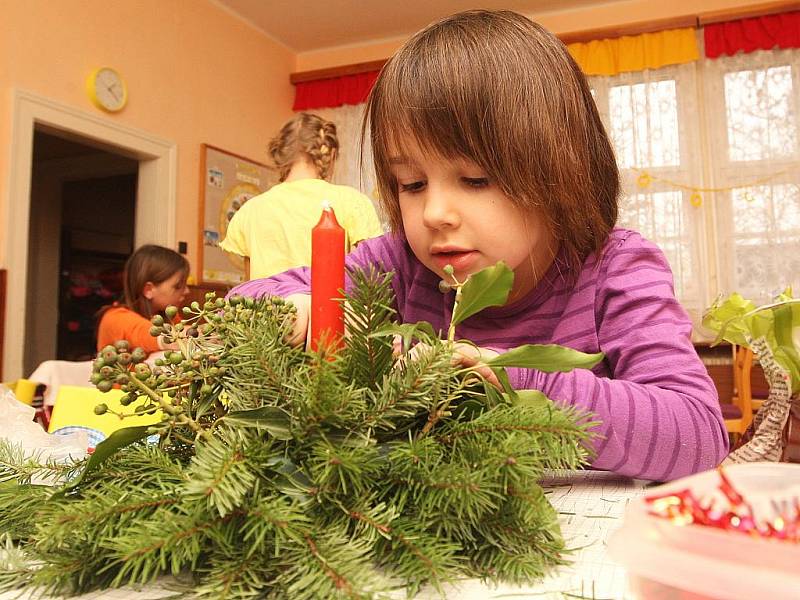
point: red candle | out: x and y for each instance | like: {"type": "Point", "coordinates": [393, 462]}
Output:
{"type": "Point", "coordinates": [327, 278]}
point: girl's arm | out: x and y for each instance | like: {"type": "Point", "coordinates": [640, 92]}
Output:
{"type": "Point", "coordinates": [383, 252]}
{"type": "Point", "coordinates": [659, 411]}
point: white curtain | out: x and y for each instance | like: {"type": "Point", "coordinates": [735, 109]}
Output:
{"type": "Point", "coordinates": [753, 102]}
{"type": "Point", "coordinates": [710, 160]}
{"type": "Point", "coordinates": [653, 126]}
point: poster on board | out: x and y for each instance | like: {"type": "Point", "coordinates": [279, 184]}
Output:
{"type": "Point", "coordinates": [228, 181]}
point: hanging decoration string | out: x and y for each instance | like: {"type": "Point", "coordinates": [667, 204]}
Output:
{"type": "Point", "coordinates": [645, 179]}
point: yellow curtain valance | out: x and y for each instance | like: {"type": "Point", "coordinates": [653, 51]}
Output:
{"type": "Point", "coordinates": [636, 52]}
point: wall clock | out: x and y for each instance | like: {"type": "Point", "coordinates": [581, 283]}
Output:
{"type": "Point", "coordinates": [107, 89]}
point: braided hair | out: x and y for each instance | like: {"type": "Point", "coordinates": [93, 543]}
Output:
{"type": "Point", "coordinates": [307, 134]}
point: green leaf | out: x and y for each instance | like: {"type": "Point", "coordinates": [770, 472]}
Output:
{"type": "Point", "coordinates": [725, 318]}
{"type": "Point", "coordinates": [488, 287]}
{"type": "Point", "coordinates": [116, 441]}
{"type": "Point", "coordinates": [531, 399]}
{"type": "Point", "coordinates": [546, 357]}
{"type": "Point", "coordinates": [408, 332]}
{"type": "Point", "coordinates": [502, 377]}
{"type": "Point", "coordinates": [275, 420]}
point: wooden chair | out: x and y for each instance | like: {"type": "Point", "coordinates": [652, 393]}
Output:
{"type": "Point", "coordinates": [739, 413]}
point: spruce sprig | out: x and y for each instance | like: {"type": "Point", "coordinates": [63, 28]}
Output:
{"type": "Point", "coordinates": [293, 474]}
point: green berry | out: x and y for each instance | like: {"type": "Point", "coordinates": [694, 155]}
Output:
{"type": "Point", "coordinates": [124, 358]}
{"type": "Point", "coordinates": [138, 355]}
{"type": "Point", "coordinates": [121, 378]}
{"type": "Point", "coordinates": [105, 386]}
{"type": "Point", "coordinates": [448, 269]}
{"type": "Point", "coordinates": [95, 378]}
{"type": "Point", "coordinates": [101, 409]}
{"type": "Point", "coordinates": [171, 311]}
{"type": "Point", "coordinates": [155, 331]}
{"type": "Point", "coordinates": [127, 399]}
{"type": "Point", "coordinates": [121, 345]}
{"type": "Point", "coordinates": [175, 358]}
{"type": "Point", "coordinates": [157, 320]}
{"type": "Point", "coordinates": [205, 389]}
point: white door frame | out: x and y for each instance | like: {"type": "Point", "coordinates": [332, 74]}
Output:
{"type": "Point", "coordinates": [155, 198]}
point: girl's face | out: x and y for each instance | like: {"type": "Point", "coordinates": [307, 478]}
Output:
{"type": "Point", "coordinates": [172, 291]}
{"type": "Point", "coordinates": [454, 214]}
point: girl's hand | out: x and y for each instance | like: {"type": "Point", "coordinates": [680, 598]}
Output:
{"type": "Point", "coordinates": [465, 355]}
{"type": "Point", "coordinates": [300, 331]}
{"type": "Point", "coordinates": [474, 357]}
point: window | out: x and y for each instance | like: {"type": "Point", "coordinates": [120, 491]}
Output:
{"type": "Point", "coordinates": [728, 127]}
{"type": "Point", "coordinates": [653, 130]}
{"type": "Point", "coordinates": [756, 161]}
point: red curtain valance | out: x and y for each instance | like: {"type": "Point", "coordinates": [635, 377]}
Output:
{"type": "Point", "coordinates": [759, 33]}
{"type": "Point", "coordinates": [329, 93]}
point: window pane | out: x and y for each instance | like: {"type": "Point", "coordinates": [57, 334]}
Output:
{"type": "Point", "coordinates": [644, 124]}
{"type": "Point", "coordinates": [761, 119]}
{"type": "Point", "coordinates": [767, 239]}
{"type": "Point", "coordinates": [659, 217]}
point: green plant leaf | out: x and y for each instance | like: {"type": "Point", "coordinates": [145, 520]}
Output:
{"type": "Point", "coordinates": [725, 318]}
{"type": "Point", "coordinates": [531, 398]}
{"type": "Point", "coordinates": [275, 420]}
{"type": "Point", "coordinates": [488, 287]}
{"type": "Point", "coordinates": [546, 357]}
{"type": "Point", "coordinates": [502, 377]}
{"type": "Point", "coordinates": [408, 332]}
{"type": "Point", "coordinates": [116, 441]}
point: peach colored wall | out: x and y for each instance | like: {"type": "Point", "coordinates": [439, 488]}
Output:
{"type": "Point", "coordinates": [195, 74]}
{"type": "Point", "coordinates": [567, 21]}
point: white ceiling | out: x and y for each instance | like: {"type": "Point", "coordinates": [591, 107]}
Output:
{"type": "Point", "coordinates": [305, 25]}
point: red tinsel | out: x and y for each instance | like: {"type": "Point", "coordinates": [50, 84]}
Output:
{"type": "Point", "coordinates": [684, 508]}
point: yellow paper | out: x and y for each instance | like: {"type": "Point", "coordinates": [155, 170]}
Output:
{"type": "Point", "coordinates": [24, 390]}
{"type": "Point", "coordinates": [75, 406]}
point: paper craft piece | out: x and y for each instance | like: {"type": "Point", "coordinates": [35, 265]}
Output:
{"type": "Point", "coordinates": [75, 406]}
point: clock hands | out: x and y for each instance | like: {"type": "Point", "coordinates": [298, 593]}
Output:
{"type": "Point", "coordinates": [113, 93]}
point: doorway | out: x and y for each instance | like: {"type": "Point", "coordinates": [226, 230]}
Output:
{"type": "Point", "coordinates": [155, 207]}
{"type": "Point", "coordinates": [82, 223]}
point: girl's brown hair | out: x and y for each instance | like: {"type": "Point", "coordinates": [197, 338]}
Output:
{"type": "Point", "coordinates": [149, 263]}
{"type": "Point", "coordinates": [304, 134]}
{"type": "Point", "coordinates": [497, 88]}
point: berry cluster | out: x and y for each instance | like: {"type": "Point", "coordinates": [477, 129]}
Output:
{"type": "Point", "coordinates": [189, 376]}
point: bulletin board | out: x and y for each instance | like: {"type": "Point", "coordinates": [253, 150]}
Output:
{"type": "Point", "coordinates": [227, 182]}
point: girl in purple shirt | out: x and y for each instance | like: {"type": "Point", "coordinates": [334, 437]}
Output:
{"type": "Point", "coordinates": [488, 146]}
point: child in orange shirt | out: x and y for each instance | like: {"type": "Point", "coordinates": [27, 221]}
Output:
{"type": "Point", "coordinates": [154, 278]}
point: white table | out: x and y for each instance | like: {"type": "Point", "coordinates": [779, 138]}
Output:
{"type": "Point", "coordinates": [590, 506]}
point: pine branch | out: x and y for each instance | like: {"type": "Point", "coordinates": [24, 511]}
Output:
{"type": "Point", "coordinates": [330, 565]}
{"type": "Point", "coordinates": [221, 474]}
{"type": "Point", "coordinates": [26, 467]}
{"type": "Point", "coordinates": [372, 467]}
{"type": "Point", "coordinates": [367, 309]}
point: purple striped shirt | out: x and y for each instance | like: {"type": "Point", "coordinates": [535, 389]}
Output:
{"type": "Point", "coordinates": [659, 411]}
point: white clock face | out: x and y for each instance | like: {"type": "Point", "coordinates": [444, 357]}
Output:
{"type": "Point", "coordinates": [110, 89]}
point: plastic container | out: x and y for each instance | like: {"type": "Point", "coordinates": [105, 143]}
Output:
{"type": "Point", "coordinates": [664, 560]}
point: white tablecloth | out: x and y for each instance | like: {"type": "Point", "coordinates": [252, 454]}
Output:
{"type": "Point", "coordinates": [590, 506]}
